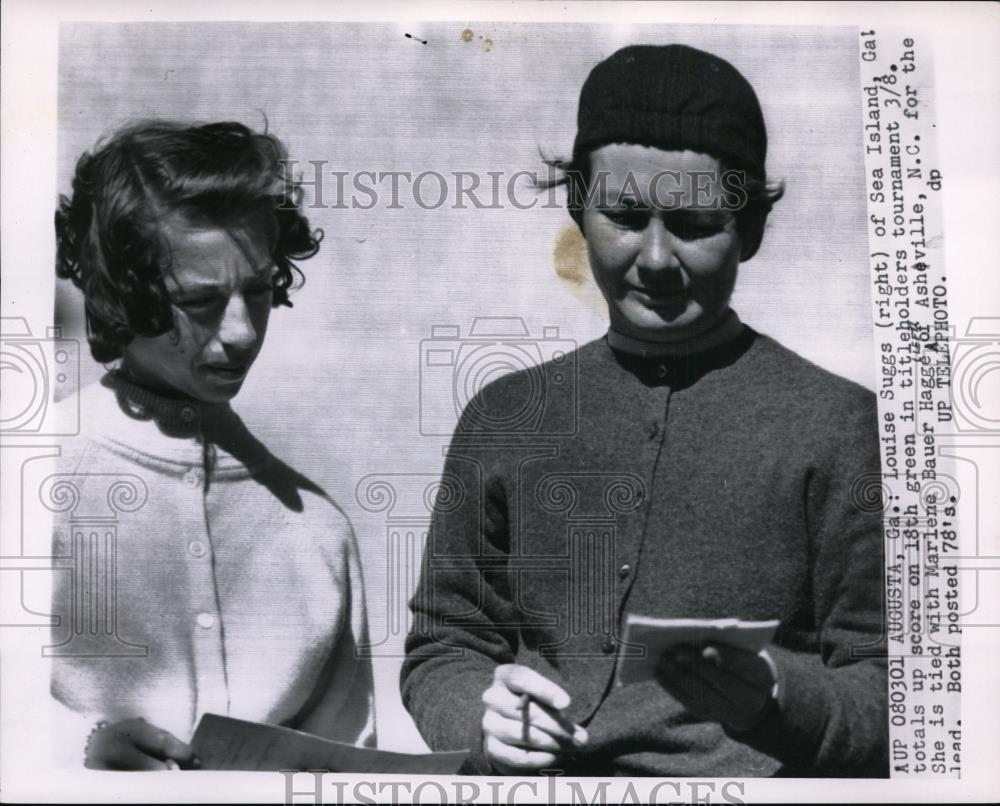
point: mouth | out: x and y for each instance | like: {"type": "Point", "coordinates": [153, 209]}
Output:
{"type": "Point", "coordinates": [659, 298]}
{"type": "Point", "coordinates": [227, 372]}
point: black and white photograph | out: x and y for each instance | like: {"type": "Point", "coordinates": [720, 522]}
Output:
{"type": "Point", "coordinates": [501, 404]}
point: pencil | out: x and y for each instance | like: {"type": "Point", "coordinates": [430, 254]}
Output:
{"type": "Point", "coordinates": [525, 720]}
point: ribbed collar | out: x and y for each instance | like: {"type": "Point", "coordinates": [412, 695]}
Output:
{"type": "Point", "coordinates": [189, 426]}
{"type": "Point", "coordinates": [180, 417]}
{"type": "Point", "coordinates": [728, 329]}
{"type": "Point", "coordinates": [680, 369]}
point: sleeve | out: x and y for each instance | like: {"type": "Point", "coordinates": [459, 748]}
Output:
{"type": "Point", "coordinates": [342, 707]}
{"type": "Point", "coordinates": [831, 713]}
{"type": "Point", "coordinates": [69, 732]}
{"type": "Point", "coordinates": [464, 619]}
{"type": "Point", "coordinates": [69, 720]}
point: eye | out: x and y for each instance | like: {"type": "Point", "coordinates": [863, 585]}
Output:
{"type": "Point", "coordinates": [694, 226]}
{"type": "Point", "coordinates": [631, 218]}
{"type": "Point", "coordinates": [200, 304]}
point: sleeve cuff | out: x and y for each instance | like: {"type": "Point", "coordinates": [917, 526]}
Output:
{"type": "Point", "coordinates": [792, 725]}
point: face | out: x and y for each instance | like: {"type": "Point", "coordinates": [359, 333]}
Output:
{"type": "Point", "coordinates": [220, 287]}
{"type": "Point", "coordinates": [663, 249]}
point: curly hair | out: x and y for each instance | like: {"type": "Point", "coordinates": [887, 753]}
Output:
{"type": "Point", "coordinates": [756, 196]}
{"type": "Point", "coordinates": [108, 233]}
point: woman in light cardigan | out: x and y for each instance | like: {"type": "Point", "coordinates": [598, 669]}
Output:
{"type": "Point", "coordinates": [228, 582]}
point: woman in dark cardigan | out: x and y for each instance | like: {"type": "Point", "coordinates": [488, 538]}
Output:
{"type": "Point", "coordinates": [683, 466]}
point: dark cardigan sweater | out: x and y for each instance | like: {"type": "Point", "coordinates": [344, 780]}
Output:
{"type": "Point", "coordinates": [724, 483]}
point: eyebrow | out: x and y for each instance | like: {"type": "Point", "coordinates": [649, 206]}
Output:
{"type": "Point", "coordinates": [618, 200]}
{"type": "Point", "coordinates": [210, 285]}
{"type": "Point", "coordinates": [704, 213]}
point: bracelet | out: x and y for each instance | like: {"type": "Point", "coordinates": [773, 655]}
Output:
{"type": "Point", "coordinates": [101, 724]}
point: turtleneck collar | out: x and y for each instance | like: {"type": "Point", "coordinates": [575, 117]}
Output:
{"type": "Point", "coordinates": [684, 363]}
{"type": "Point", "coordinates": [728, 329]}
{"type": "Point", "coordinates": [174, 416]}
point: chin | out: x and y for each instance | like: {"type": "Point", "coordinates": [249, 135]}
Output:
{"type": "Point", "coordinates": [216, 395]}
{"type": "Point", "coordinates": [646, 323]}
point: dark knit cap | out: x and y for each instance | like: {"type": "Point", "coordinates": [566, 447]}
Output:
{"type": "Point", "coordinates": [673, 97]}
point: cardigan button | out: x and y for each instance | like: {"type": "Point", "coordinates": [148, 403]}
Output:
{"type": "Point", "coordinates": [654, 429]}
{"type": "Point", "coordinates": [192, 478]}
{"type": "Point", "coordinates": [625, 570]}
{"type": "Point", "coordinates": [197, 548]}
{"type": "Point", "coordinates": [188, 414]}
{"type": "Point", "coordinates": [608, 646]}
{"type": "Point", "coordinates": [206, 621]}
{"type": "Point", "coordinates": [661, 371]}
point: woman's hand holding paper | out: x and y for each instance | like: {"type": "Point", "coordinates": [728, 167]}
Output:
{"type": "Point", "coordinates": [722, 683]}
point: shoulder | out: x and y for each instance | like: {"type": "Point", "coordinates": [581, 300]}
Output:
{"type": "Point", "coordinates": [804, 388]}
{"type": "Point", "coordinates": [540, 394]}
{"type": "Point", "coordinates": [812, 414]}
{"type": "Point", "coordinates": [543, 359]}
{"type": "Point", "coordinates": [84, 417]}
{"type": "Point", "coordinates": [325, 510]}
{"type": "Point", "coordinates": [299, 518]}
{"type": "Point", "coordinates": [84, 408]}
{"type": "Point", "coordinates": [305, 506]}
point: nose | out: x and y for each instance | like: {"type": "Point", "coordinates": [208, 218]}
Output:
{"type": "Point", "coordinates": [236, 331]}
{"type": "Point", "coordinates": [659, 247]}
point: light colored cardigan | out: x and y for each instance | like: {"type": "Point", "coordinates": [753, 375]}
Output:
{"type": "Point", "coordinates": [200, 574]}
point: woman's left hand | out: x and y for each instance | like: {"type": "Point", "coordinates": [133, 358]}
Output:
{"type": "Point", "coordinates": [720, 683]}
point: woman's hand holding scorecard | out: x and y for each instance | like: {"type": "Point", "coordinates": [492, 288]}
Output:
{"type": "Point", "coordinates": [726, 684]}
{"type": "Point", "coordinates": [134, 744]}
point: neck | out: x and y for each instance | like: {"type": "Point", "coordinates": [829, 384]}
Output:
{"type": "Point", "coordinates": [143, 402]}
{"type": "Point", "coordinates": [729, 327]}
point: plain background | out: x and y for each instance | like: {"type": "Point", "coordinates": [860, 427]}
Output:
{"type": "Point", "coordinates": [337, 389]}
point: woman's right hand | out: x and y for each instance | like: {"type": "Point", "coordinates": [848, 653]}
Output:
{"type": "Point", "coordinates": [515, 746]}
{"type": "Point", "coordinates": [134, 744]}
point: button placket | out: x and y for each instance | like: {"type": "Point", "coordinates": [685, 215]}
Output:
{"type": "Point", "coordinates": [656, 432]}
{"type": "Point", "coordinates": [212, 693]}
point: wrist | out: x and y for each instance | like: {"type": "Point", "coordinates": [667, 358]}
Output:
{"type": "Point", "coordinates": [771, 705]}
{"type": "Point", "coordinates": [100, 725]}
